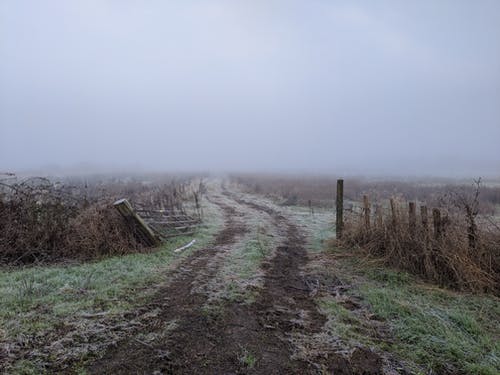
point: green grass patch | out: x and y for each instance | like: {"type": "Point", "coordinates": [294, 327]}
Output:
{"type": "Point", "coordinates": [34, 298]}
{"type": "Point", "coordinates": [343, 324]}
{"type": "Point", "coordinates": [438, 330]}
{"type": "Point", "coordinates": [254, 251]}
{"type": "Point", "coordinates": [242, 266]}
{"type": "Point", "coordinates": [247, 359]}
{"type": "Point", "coordinates": [319, 227]}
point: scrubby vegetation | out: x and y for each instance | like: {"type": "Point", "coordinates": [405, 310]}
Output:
{"type": "Point", "coordinates": [45, 220]}
{"type": "Point", "coordinates": [456, 246]}
{"type": "Point", "coordinates": [465, 254]}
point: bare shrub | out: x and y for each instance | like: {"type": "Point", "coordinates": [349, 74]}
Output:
{"type": "Point", "coordinates": [42, 220]}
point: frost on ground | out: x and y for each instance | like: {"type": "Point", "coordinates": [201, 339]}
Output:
{"type": "Point", "coordinates": [261, 291]}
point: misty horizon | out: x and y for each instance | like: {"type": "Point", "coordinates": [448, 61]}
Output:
{"type": "Point", "coordinates": [391, 88]}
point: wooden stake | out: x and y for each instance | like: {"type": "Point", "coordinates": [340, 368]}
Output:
{"type": "Point", "coordinates": [135, 221]}
{"type": "Point", "coordinates": [394, 214]}
{"type": "Point", "coordinates": [436, 217]}
{"type": "Point", "coordinates": [339, 205]}
{"type": "Point", "coordinates": [425, 218]}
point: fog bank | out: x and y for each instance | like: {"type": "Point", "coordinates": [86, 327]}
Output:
{"type": "Point", "coordinates": [364, 87]}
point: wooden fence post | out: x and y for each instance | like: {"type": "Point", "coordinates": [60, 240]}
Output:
{"type": "Point", "coordinates": [393, 213]}
{"type": "Point", "coordinates": [339, 208]}
{"type": "Point", "coordinates": [412, 218]}
{"type": "Point", "coordinates": [436, 218]}
{"type": "Point", "coordinates": [366, 208]}
{"type": "Point", "coordinates": [425, 218]}
{"type": "Point", "coordinates": [143, 230]}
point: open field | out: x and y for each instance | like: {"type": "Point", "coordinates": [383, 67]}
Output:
{"type": "Point", "coordinates": [226, 187]}
{"type": "Point", "coordinates": [265, 289]}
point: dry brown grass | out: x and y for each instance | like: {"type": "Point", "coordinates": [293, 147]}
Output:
{"type": "Point", "coordinates": [447, 259]}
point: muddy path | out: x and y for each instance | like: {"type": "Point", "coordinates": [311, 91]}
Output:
{"type": "Point", "coordinates": [286, 306]}
{"type": "Point", "coordinates": [234, 337]}
{"type": "Point", "coordinates": [253, 338]}
{"type": "Point", "coordinates": [175, 301]}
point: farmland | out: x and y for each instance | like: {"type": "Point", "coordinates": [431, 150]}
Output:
{"type": "Point", "coordinates": [250, 187]}
{"type": "Point", "coordinates": [265, 288]}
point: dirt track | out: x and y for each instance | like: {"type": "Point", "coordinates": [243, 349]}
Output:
{"type": "Point", "coordinates": [238, 338]}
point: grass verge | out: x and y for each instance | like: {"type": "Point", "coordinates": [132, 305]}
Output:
{"type": "Point", "coordinates": [36, 300]}
{"type": "Point", "coordinates": [435, 330]}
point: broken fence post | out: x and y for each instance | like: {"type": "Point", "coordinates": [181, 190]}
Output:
{"type": "Point", "coordinates": [143, 230]}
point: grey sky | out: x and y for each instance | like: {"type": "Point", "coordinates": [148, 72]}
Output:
{"type": "Point", "coordinates": [408, 87]}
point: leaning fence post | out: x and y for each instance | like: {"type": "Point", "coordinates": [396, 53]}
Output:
{"type": "Point", "coordinates": [366, 207]}
{"type": "Point", "coordinates": [339, 208]}
{"type": "Point", "coordinates": [436, 218]}
{"type": "Point", "coordinates": [146, 234]}
{"type": "Point", "coordinates": [412, 218]}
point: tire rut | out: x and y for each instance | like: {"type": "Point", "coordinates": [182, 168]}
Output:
{"type": "Point", "coordinates": [225, 343]}
{"type": "Point", "coordinates": [235, 338]}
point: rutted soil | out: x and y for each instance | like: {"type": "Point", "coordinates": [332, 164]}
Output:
{"type": "Point", "coordinates": [176, 302]}
{"type": "Point", "coordinates": [286, 307]}
{"type": "Point", "coordinates": [233, 337]}
{"type": "Point", "coordinates": [224, 343]}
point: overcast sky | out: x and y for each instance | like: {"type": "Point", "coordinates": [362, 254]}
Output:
{"type": "Point", "coordinates": [410, 87]}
